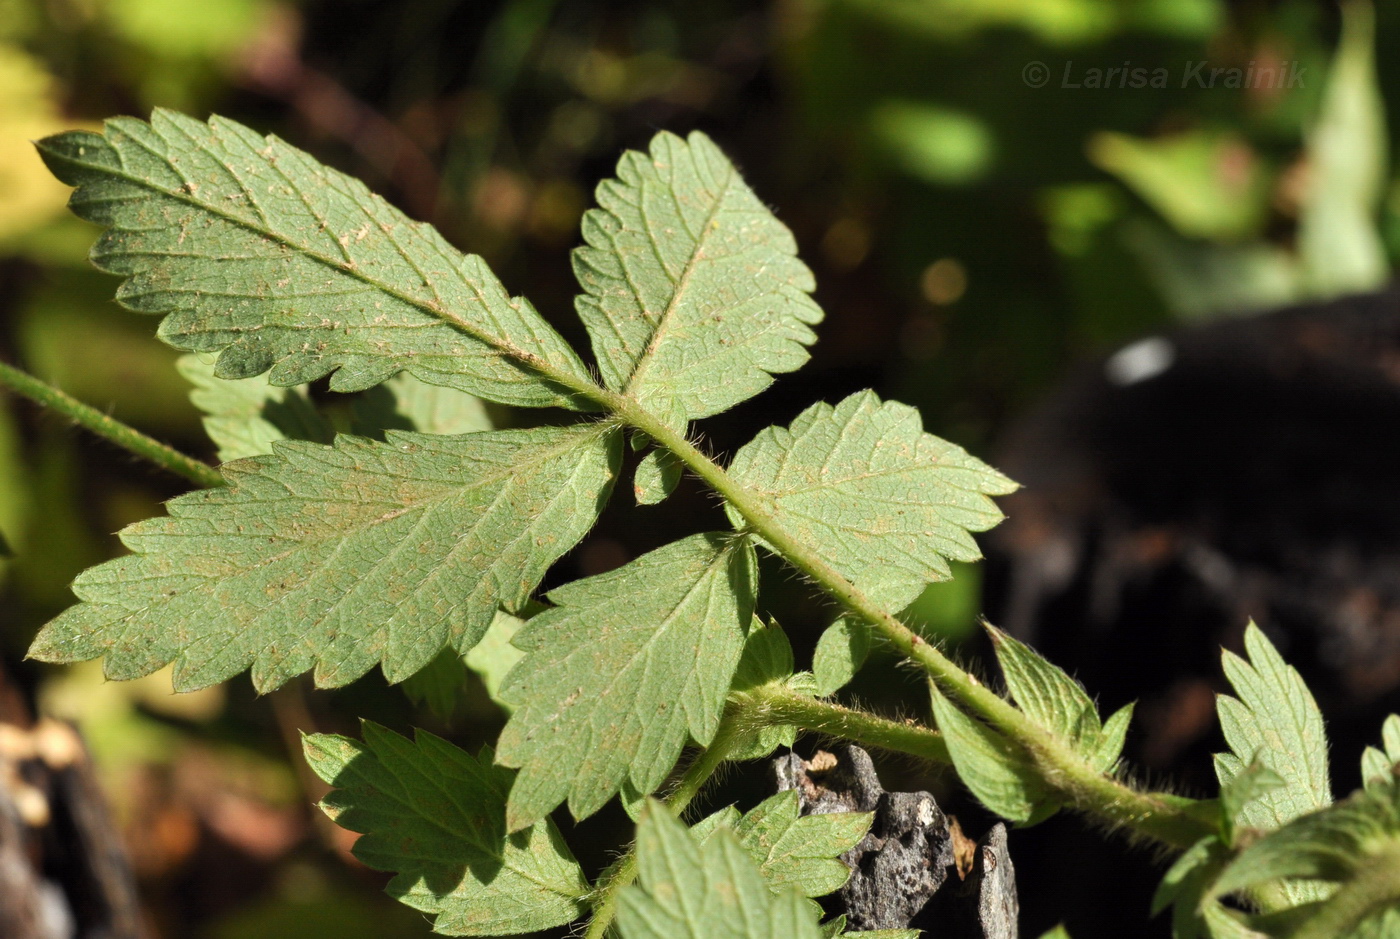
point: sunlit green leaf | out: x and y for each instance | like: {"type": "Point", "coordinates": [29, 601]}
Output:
{"type": "Point", "coordinates": [1339, 240]}
{"type": "Point", "coordinates": [1378, 766]}
{"type": "Point", "coordinates": [1348, 852]}
{"type": "Point", "coordinates": [339, 558]}
{"type": "Point", "coordinates": [880, 500]}
{"type": "Point", "coordinates": [405, 403]}
{"type": "Point", "coordinates": [495, 655]}
{"type": "Point", "coordinates": [1274, 721]}
{"type": "Point", "coordinates": [1111, 739]}
{"type": "Point", "coordinates": [937, 144]}
{"type": "Point", "coordinates": [1238, 796]}
{"type": "Point", "coordinates": [1046, 693]}
{"type": "Point", "coordinates": [694, 294]}
{"type": "Point", "coordinates": [1205, 183]}
{"type": "Point", "coordinates": [251, 248]}
{"type": "Point", "coordinates": [791, 848]}
{"type": "Point", "coordinates": [620, 672]}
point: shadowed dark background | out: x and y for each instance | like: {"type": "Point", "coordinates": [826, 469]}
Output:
{"type": "Point", "coordinates": [994, 196]}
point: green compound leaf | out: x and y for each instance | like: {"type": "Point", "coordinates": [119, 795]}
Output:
{"type": "Point", "coordinates": [1354, 845]}
{"type": "Point", "coordinates": [693, 293]}
{"type": "Point", "coordinates": [245, 416]}
{"type": "Point", "coordinates": [689, 890]}
{"type": "Point", "coordinates": [803, 851]}
{"type": "Point", "coordinates": [993, 768]}
{"type": "Point", "coordinates": [250, 247]}
{"type": "Point", "coordinates": [1378, 766]}
{"type": "Point", "coordinates": [436, 816]}
{"type": "Point", "coordinates": [340, 557]}
{"type": "Point", "coordinates": [884, 503]}
{"type": "Point", "coordinates": [1047, 694]}
{"type": "Point", "coordinates": [621, 670]}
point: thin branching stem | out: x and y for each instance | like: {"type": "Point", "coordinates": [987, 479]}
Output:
{"type": "Point", "coordinates": [109, 428]}
{"type": "Point", "coordinates": [1158, 816]}
{"type": "Point", "coordinates": [775, 704]}
{"type": "Point", "coordinates": [1162, 818]}
{"type": "Point", "coordinates": [693, 780]}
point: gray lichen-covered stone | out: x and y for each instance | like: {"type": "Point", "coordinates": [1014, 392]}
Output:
{"type": "Point", "coordinates": [907, 857]}
{"type": "Point", "coordinates": [984, 906]}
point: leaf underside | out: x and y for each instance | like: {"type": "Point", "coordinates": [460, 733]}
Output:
{"type": "Point", "coordinates": [406, 403]}
{"type": "Point", "coordinates": [436, 816]}
{"type": "Point", "coordinates": [790, 848]}
{"type": "Point", "coordinates": [884, 503]}
{"type": "Point", "coordinates": [389, 547]}
{"type": "Point", "coordinates": [693, 293]}
{"type": "Point", "coordinates": [993, 768]}
{"type": "Point", "coordinates": [621, 671]}
{"type": "Point", "coordinates": [1058, 703]}
{"type": "Point", "coordinates": [1274, 721]}
{"type": "Point", "coordinates": [339, 558]}
{"type": "Point", "coordinates": [249, 247]}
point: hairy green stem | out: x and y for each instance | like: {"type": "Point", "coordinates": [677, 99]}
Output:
{"type": "Point", "coordinates": [774, 704]}
{"type": "Point", "coordinates": [109, 428]}
{"type": "Point", "coordinates": [1164, 818]}
{"type": "Point", "coordinates": [604, 897]}
{"type": "Point", "coordinates": [1159, 817]}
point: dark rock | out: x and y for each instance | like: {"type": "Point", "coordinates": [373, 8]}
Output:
{"type": "Point", "coordinates": [907, 857]}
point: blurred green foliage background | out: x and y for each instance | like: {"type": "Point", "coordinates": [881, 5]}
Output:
{"type": "Point", "coordinates": [990, 191]}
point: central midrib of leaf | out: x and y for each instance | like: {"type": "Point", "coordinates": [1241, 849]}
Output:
{"type": "Point", "coordinates": [450, 492]}
{"type": "Point", "coordinates": [681, 283]}
{"type": "Point", "coordinates": [346, 266]}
